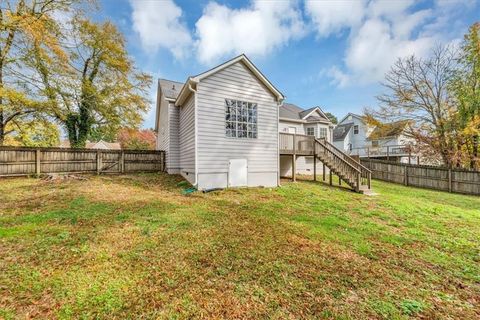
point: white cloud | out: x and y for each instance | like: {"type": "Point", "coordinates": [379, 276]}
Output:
{"type": "Point", "coordinates": [378, 31]}
{"type": "Point", "coordinates": [256, 30]}
{"type": "Point", "coordinates": [330, 17]}
{"type": "Point", "coordinates": [338, 76]}
{"type": "Point", "coordinates": [159, 24]}
{"type": "Point", "coordinates": [384, 33]}
{"type": "Point", "coordinates": [375, 48]}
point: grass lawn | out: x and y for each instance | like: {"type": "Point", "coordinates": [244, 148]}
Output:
{"type": "Point", "coordinates": [134, 247]}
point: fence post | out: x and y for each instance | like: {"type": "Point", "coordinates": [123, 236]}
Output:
{"type": "Point", "coordinates": [121, 163]}
{"type": "Point", "coordinates": [388, 153]}
{"type": "Point", "coordinates": [449, 180]}
{"type": "Point", "coordinates": [357, 188]}
{"type": "Point", "coordinates": [37, 162]}
{"type": "Point", "coordinates": [99, 162]}
{"type": "Point", "coordinates": [406, 175]}
{"type": "Point", "coordinates": [164, 161]}
{"type": "Point", "coordinates": [314, 161]}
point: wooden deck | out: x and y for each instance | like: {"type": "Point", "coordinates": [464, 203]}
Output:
{"type": "Point", "coordinates": [346, 168]}
{"type": "Point", "coordinates": [299, 144]}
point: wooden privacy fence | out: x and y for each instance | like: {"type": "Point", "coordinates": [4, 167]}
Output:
{"type": "Point", "coordinates": [35, 161]}
{"type": "Point", "coordinates": [438, 178]}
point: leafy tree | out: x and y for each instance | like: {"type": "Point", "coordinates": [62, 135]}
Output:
{"type": "Point", "coordinates": [34, 133]}
{"type": "Point", "coordinates": [99, 88]}
{"type": "Point", "coordinates": [332, 117]}
{"type": "Point", "coordinates": [466, 88]}
{"type": "Point", "coordinates": [21, 23]}
{"type": "Point", "coordinates": [137, 139]}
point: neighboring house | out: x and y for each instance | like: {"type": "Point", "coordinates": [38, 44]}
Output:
{"type": "Point", "coordinates": [95, 145]}
{"type": "Point", "coordinates": [312, 122]}
{"type": "Point", "coordinates": [220, 128]}
{"type": "Point", "coordinates": [385, 141]}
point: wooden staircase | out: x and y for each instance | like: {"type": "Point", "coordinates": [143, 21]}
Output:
{"type": "Point", "coordinates": [345, 167]}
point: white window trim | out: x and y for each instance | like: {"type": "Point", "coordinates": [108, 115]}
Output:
{"type": "Point", "coordinates": [310, 128]}
{"type": "Point", "coordinates": [237, 122]}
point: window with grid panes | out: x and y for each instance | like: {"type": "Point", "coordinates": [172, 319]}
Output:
{"type": "Point", "coordinates": [240, 119]}
{"type": "Point", "coordinates": [322, 133]}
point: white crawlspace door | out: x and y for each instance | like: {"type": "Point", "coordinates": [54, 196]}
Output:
{"type": "Point", "coordinates": [237, 173]}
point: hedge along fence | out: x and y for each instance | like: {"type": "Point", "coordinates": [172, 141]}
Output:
{"type": "Point", "coordinates": [438, 178]}
{"type": "Point", "coordinates": [35, 161]}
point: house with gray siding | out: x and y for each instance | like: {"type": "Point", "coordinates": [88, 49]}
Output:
{"type": "Point", "coordinates": [220, 128]}
{"type": "Point", "coordinates": [229, 127]}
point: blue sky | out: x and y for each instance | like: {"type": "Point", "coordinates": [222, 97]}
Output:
{"type": "Point", "coordinates": [327, 53]}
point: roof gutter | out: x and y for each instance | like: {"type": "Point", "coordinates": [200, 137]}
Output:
{"type": "Point", "coordinates": [187, 87]}
{"type": "Point", "coordinates": [304, 121]}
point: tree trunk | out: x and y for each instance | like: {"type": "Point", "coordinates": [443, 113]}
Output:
{"type": "Point", "coordinates": [474, 158]}
{"type": "Point", "coordinates": [2, 128]}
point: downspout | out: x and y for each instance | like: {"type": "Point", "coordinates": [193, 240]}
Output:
{"type": "Point", "coordinates": [195, 107]}
{"type": "Point", "coordinates": [279, 103]}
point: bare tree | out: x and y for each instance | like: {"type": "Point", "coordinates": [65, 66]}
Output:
{"type": "Point", "coordinates": [417, 89]}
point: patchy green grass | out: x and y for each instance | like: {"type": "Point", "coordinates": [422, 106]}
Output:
{"type": "Point", "coordinates": [135, 247]}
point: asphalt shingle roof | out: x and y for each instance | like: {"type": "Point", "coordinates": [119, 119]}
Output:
{"type": "Point", "coordinates": [170, 88]}
{"type": "Point", "coordinates": [341, 131]}
{"type": "Point", "coordinates": [292, 111]}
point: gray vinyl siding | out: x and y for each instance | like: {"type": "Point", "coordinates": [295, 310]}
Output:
{"type": "Point", "coordinates": [163, 133]}
{"type": "Point", "coordinates": [173, 152]}
{"type": "Point", "coordinates": [187, 138]}
{"type": "Point", "coordinates": [304, 165]}
{"type": "Point", "coordinates": [215, 149]}
{"type": "Point", "coordinates": [284, 125]}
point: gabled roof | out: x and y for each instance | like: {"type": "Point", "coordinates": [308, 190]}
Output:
{"type": "Point", "coordinates": [290, 111]}
{"type": "Point", "coordinates": [294, 112]}
{"type": "Point", "coordinates": [241, 58]}
{"type": "Point", "coordinates": [353, 115]}
{"type": "Point", "coordinates": [170, 88]}
{"type": "Point", "coordinates": [305, 113]}
{"type": "Point", "coordinates": [386, 130]}
{"type": "Point", "coordinates": [341, 131]}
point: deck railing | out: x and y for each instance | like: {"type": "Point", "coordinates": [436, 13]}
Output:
{"type": "Point", "coordinates": [365, 173]}
{"type": "Point", "coordinates": [291, 143]}
{"type": "Point", "coordinates": [382, 151]}
{"type": "Point", "coordinates": [336, 160]}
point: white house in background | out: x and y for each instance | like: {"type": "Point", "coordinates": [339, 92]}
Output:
{"type": "Point", "coordinates": [385, 141]}
{"type": "Point", "coordinates": [312, 122]}
{"type": "Point", "coordinates": [221, 128]}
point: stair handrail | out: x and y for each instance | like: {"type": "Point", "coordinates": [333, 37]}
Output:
{"type": "Point", "coordinates": [336, 155]}
{"type": "Point", "coordinates": [366, 174]}
{"type": "Point", "coordinates": [345, 155]}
